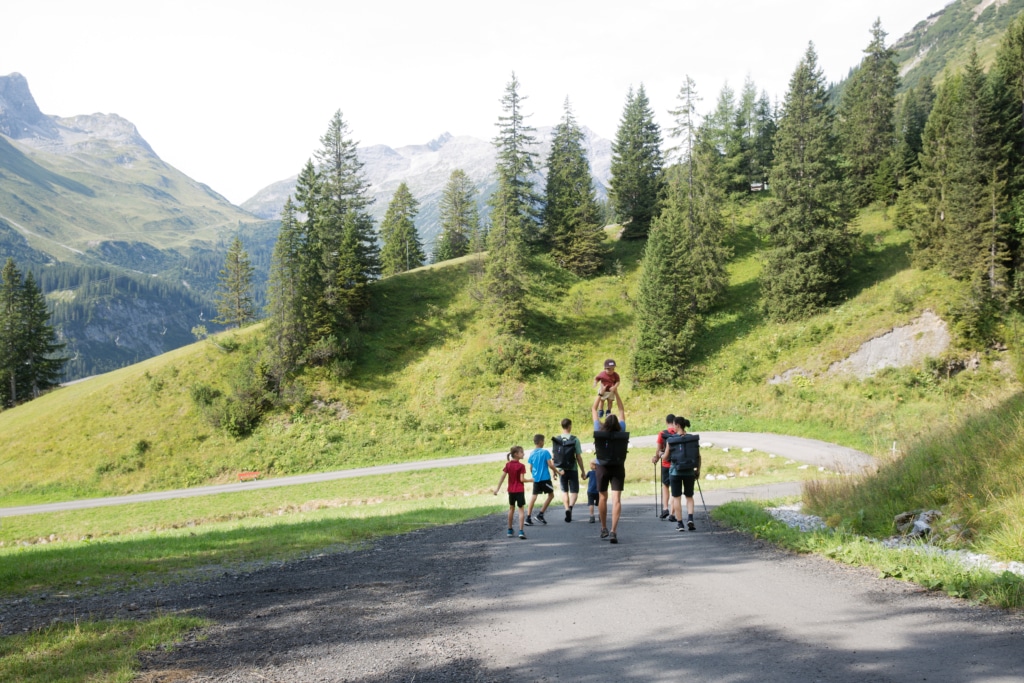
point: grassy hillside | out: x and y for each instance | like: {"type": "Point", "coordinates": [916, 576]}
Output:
{"type": "Point", "coordinates": [423, 384]}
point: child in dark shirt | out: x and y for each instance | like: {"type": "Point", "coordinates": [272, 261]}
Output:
{"type": "Point", "coordinates": [607, 383]}
{"type": "Point", "coordinates": [592, 494]}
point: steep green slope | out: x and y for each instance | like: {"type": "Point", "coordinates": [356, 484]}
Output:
{"type": "Point", "coordinates": [424, 385]}
{"type": "Point", "coordinates": [942, 41]}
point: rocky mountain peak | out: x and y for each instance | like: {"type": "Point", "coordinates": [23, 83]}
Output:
{"type": "Point", "coordinates": [19, 114]}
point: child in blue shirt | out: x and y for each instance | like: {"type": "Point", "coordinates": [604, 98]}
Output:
{"type": "Point", "coordinates": [592, 494]}
{"type": "Point", "coordinates": [542, 465]}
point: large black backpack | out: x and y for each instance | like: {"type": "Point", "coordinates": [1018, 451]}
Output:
{"type": "Point", "coordinates": [611, 447]}
{"type": "Point", "coordinates": [563, 451]}
{"type": "Point", "coordinates": [684, 451]}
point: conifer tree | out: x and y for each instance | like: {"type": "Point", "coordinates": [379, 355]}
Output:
{"type": "Point", "coordinates": [285, 290]}
{"type": "Point", "coordinates": [683, 271]}
{"type": "Point", "coordinates": [29, 350]}
{"type": "Point", "coordinates": [806, 219]}
{"type": "Point", "coordinates": [343, 232]}
{"type": "Point", "coordinates": [962, 183]}
{"type": "Point", "coordinates": [402, 249]}
{"type": "Point", "coordinates": [571, 214]}
{"type": "Point", "coordinates": [460, 220]}
{"type": "Point", "coordinates": [41, 360]}
{"type": "Point", "coordinates": [762, 155]}
{"type": "Point", "coordinates": [636, 168]}
{"type": "Point", "coordinates": [866, 120]}
{"type": "Point", "coordinates": [234, 287]}
{"type": "Point", "coordinates": [513, 215]}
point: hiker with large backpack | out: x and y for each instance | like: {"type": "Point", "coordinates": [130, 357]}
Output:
{"type": "Point", "coordinates": [683, 455]}
{"type": "Point", "coordinates": [567, 453]}
{"type": "Point", "coordinates": [611, 441]}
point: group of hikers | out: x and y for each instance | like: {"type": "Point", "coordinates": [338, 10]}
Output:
{"type": "Point", "coordinates": [677, 451]}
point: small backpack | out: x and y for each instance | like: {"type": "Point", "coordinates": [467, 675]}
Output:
{"type": "Point", "coordinates": [563, 452]}
{"type": "Point", "coordinates": [684, 451]}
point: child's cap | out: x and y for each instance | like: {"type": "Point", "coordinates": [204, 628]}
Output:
{"type": "Point", "coordinates": [609, 363]}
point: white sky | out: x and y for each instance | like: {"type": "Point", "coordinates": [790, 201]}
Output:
{"type": "Point", "coordinates": [237, 94]}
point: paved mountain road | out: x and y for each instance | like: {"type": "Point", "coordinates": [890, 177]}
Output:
{"type": "Point", "coordinates": [797, 448]}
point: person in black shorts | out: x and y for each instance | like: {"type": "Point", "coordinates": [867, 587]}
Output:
{"type": "Point", "coordinates": [681, 482]}
{"type": "Point", "coordinates": [661, 446]}
{"type": "Point", "coordinates": [610, 476]}
{"type": "Point", "coordinates": [569, 470]}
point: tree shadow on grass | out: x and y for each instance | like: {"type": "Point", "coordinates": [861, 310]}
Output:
{"type": "Point", "coordinates": [874, 263]}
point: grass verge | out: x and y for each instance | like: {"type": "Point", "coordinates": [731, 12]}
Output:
{"type": "Point", "coordinates": [93, 652]}
{"type": "Point", "coordinates": [930, 571]}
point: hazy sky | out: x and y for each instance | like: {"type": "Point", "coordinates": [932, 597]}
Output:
{"type": "Point", "coordinates": [237, 94]}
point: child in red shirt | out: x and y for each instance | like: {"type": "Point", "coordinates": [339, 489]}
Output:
{"type": "Point", "coordinates": [516, 471]}
{"type": "Point", "coordinates": [608, 390]}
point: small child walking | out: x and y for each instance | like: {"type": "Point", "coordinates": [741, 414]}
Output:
{"type": "Point", "coordinates": [515, 470]}
{"type": "Point", "coordinates": [592, 495]}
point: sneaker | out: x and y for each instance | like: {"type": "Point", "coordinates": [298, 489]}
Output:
{"type": "Point", "coordinates": [664, 514]}
{"type": "Point", "coordinates": [510, 533]}
{"type": "Point", "coordinates": [671, 518]}
{"type": "Point", "coordinates": [604, 533]}
{"type": "Point", "coordinates": [592, 519]}
{"type": "Point", "coordinates": [690, 526]}
{"type": "Point", "coordinates": [600, 413]}
{"type": "Point", "coordinates": [680, 527]}
{"type": "Point", "coordinates": [613, 538]}
{"type": "Point", "coordinates": [540, 518]}
{"type": "Point", "coordinates": [568, 515]}
{"type": "Point", "coordinates": [522, 536]}
{"type": "Point", "coordinates": [529, 521]}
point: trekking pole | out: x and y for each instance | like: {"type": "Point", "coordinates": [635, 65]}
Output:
{"type": "Point", "coordinates": [708, 516]}
{"type": "Point", "coordinates": [657, 492]}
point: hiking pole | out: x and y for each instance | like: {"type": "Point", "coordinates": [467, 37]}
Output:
{"type": "Point", "coordinates": [708, 516]}
{"type": "Point", "coordinates": [657, 492]}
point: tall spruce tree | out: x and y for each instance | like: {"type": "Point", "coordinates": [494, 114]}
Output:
{"type": "Point", "coordinates": [234, 287]}
{"type": "Point", "coordinates": [343, 232]}
{"type": "Point", "coordinates": [513, 219]}
{"type": "Point", "coordinates": [41, 360]}
{"type": "Point", "coordinates": [806, 220]}
{"type": "Point", "coordinates": [683, 272]}
{"type": "Point", "coordinates": [963, 166]}
{"type": "Point", "coordinates": [460, 219]}
{"type": "Point", "coordinates": [402, 249]}
{"type": "Point", "coordinates": [29, 349]}
{"type": "Point", "coordinates": [636, 168]}
{"type": "Point", "coordinates": [866, 121]}
{"type": "Point", "coordinates": [571, 214]}
{"type": "Point", "coordinates": [288, 324]}
{"type": "Point", "coordinates": [762, 155]}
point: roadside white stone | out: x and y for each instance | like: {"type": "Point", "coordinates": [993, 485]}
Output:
{"type": "Point", "coordinates": [709, 477]}
{"type": "Point", "coordinates": [803, 467]}
{"type": "Point", "coordinates": [772, 455]}
{"type": "Point", "coordinates": [706, 444]}
{"type": "Point", "coordinates": [725, 448]}
{"type": "Point", "coordinates": [748, 450]}
{"type": "Point", "coordinates": [821, 469]}
{"type": "Point", "coordinates": [721, 477]}
{"type": "Point", "coordinates": [789, 462]}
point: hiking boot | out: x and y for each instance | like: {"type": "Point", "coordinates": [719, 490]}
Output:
{"type": "Point", "coordinates": [529, 521]}
{"type": "Point", "coordinates": [510, 533]}
{"type": "Point", "coordinates": [568, 515]}
{"type": "Point", "coordinates": [592, 520]}
{"type": "Point", "coordinates": [680, 527]}
{"type": "Point", "coordinates": [690, 526]}
{"type": "Point", "coordinates": [522, 536]}
{"type": "Point", "coordinates": [664, 514]}
{"type": "Point", "coordinates": [613, 538]}
{"type": "Point", "coordinates": [540, 518]}
{"type": "Point", "coordinates": [672, 518]}
{"type": "Point", "coordinates": [604, 533]}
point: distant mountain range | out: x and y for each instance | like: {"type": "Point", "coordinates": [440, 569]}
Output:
{"type": "Point", "coordinates": [85, 200]}
{"type": "Point", "coordinates": [426, 168]}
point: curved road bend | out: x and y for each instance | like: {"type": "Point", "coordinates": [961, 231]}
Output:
{"type": "Point", "coordinates": [805, 450]}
